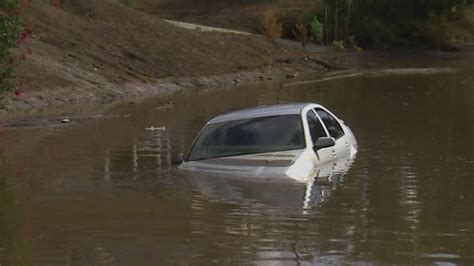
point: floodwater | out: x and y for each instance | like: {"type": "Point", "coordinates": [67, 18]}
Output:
{"type": "Point", "coordinates": [104, 191]}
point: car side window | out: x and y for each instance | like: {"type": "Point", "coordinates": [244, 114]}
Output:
{"type": "Point", "coordinates": [315, 127]}
{"type": "Point", "coordinates": [334, 128]}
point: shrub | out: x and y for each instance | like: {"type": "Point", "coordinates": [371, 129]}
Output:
{"type": "Point", "coordinates": [10, 29]}
{"type": "Point", "coordinates": [370, 31]}
{"type": "Point", "coordinates": [317, 29]}
{"type": "Point", "coordinates": [338, 45]}
{"type": "Point", "coordinates": [350, 41]}
{"type": "Point", "coordinates": [290, 17]}
{"type": "Point", "coordinates": [463, 24]}
{"type": "Point", "coordinates": [438, 23]}
{"type": "Point", "coordinates": [301, 33]}
{"type": "Point", "coordinates": [271, 26]}
{"type": "Point", "coordinates": [436, 32]}
{"type": "Point", "coordinates": [466, 18]}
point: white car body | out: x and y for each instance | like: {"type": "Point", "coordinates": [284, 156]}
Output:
{"type": "Point", "coordinates": [301, 165]}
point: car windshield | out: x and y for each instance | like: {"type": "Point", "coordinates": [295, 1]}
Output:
{"type": "Point", "coordinates": [249, 136]}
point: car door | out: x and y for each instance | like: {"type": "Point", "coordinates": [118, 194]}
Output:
{"type": "Point", "coordinates": [317, 130]}
{"type": "Point", "coordinates": [334, 129]}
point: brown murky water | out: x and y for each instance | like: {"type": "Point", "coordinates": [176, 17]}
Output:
{"type": "Point", "coordinates": [104, 192]}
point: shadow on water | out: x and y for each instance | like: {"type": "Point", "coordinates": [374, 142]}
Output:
{"type": "Point", "coordinates": [104, 192]}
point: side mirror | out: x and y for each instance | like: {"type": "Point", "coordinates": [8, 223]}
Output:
{"type": "Point", "coordinates": [324, 142]}
{"type": "Point", "coordinates": [178, 159]}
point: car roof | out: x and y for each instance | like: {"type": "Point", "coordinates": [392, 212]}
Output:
{"type": "Point", "coordinates": [273, 110]}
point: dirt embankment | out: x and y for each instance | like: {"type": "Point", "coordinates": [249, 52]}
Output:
{"type": "Point", "coordinates": [241, 15]}
{"type": "Point", "coordinates": [100, 51]}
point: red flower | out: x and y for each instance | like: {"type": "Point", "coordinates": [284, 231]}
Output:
{"type": "Point", "coordinates": [21, 172]}
{"type": "Point", "coordinates": [18, 92]}
{"type": "Point", "coordinates": [55, 3]}
{"type": "Point", "coordinates": [23, 36]}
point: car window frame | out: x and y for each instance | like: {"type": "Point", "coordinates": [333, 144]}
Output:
{"type": "Point", "coordinates": [324, 125]}
{"type": "Point", "coordinates": [320, 121]}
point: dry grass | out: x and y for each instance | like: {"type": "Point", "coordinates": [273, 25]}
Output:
{"type": "Point", "coordinates": [271, 26]}
{"type": "Point", "coordinates": [436, 32]}
{"type": "Point", "coordinates": [466, 20]}
{"type": "Point", "coordinates": [444, 31]}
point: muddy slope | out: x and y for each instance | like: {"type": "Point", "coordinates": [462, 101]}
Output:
{"type": "Point", "coordinates": [232, 14]}
{"type": "Point", "coordinates": [90, 49]}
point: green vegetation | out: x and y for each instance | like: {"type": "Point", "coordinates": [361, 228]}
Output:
{"type": "Point", "coordinates": [381, 23]}
{"type": "Point", "coordinates": [10, 28]}
{"type": "Point", "coordinates": [307, 30]}
{"type": "Point", "coordinates": [317, 29]}
{"type": "Point", "coordinates": [338, 45]}
{"type": "Point", "coordinates": [290, 18]}
{"type": "Point", "coordinates": [439, 23]}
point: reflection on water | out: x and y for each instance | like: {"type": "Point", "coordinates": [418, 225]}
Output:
{"type": "Point", "coordinates": [289, 196]}
{"type": "Point", "coordinates": [153, 153]}
{"type": "Point", "coordinates": [105, 192]}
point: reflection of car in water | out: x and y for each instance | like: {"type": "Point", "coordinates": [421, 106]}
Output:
{"type": "Point", "coordinates": [274, 142]}
{"type": "Point", "coordinates": [284, 193]}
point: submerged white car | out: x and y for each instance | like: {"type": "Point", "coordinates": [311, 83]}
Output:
{"type": "Point", "coordinates": [280, 141]}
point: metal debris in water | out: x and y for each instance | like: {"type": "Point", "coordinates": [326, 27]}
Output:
{"type": "Point", "coordinates": [163, 128]}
